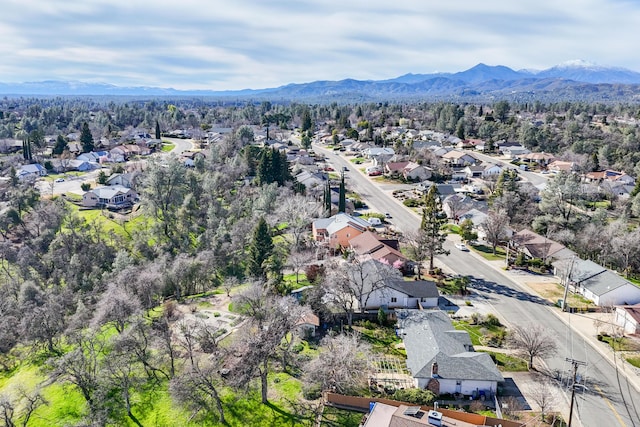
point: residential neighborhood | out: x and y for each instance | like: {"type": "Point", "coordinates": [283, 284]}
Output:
{"type": "Point", "coordinates": [432, 261]}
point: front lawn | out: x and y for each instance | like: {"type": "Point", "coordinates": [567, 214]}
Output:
{"type": "Point", "coordinates": [508, 363]}
{"type": "Point", "coordinates": [487, 252]}
{"type": "Point", "coordinates": [168, 146]}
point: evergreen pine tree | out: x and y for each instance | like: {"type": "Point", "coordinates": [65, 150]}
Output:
{"type": "Point", "coordinates": [306, 120]}
{"type": "Point", "coordinates": [158, 135]}
{"type": "Point", "coordinates": [596, 162]}
{"type": "Point", "coordinates": [342, 201]}
{"type": "Point", "coordinates": [276, 167]}
{"type": "Point", "coordinates": [433, 219]}
{"type": "Point", "coordinates": [284, 168]}
{"type": "Point", "coordinates": [86, 138]}
{"type": "Point", "coordinates": [61, 145]}
{"type": "Point", "coordinates": [264, 168]}
{"type": "Point", "coordinates": [260, 249]}
{"type": "Point", "coordinates": [327, 199]}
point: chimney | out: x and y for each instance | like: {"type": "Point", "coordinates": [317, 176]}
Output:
{"type": "Point", "coordinates": [434, 370]}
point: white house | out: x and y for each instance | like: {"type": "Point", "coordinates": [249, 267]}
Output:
{"type": "Point", "coordinates": [596, 283]}
{"type": "Point", "coordinates": [399, 293]}
{"type": "Point", "coordinates": [628, 318]}
{"type": "Point", "coordinates": [491, 170]}
{"type": "Point", "coordinates": [442, 359]}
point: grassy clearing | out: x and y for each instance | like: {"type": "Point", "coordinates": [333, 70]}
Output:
{"type": "Point", "coordinates": [292, 283]}
{"type": "Point", "coordinates": [332, 417]}
{"type": "Point", "coordinates": [153, 405]}
{"type": "Point", "coordinates": [111, 224]}
{"type": "Point", "coordinates": [168, 146]}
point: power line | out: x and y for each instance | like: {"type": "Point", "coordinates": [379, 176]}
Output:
{"type": "Point", "coordinates": [575, 364]}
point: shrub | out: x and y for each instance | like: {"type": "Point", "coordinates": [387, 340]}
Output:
{"type": "Point", "coordinates": [170, 309]}
{"type": "Point", "coordinates": [314, 273]}
{"type": "Point", "coordinates": [412, 203]}
{"type": "Point", "coordinates": [85, 186]}
{"type": "Point", "coordinates": [311, 391]}
{"type": "Point", "coordinates": [297, 348]}
{"type": "Point", "coordinates": [491, 320]}
{"type": "Point", "coordinates": [415, 395]}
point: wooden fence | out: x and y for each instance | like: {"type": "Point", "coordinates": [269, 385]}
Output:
{"type": "Point", "coordinates": [361, 404]}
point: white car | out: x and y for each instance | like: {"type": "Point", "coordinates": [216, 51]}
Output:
{"type": "Point", "coordinates": [59, 180]}
{"type": "Point", "coordinates": [462, 246]}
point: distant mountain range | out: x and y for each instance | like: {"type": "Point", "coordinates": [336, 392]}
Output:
{"type": "Point", "coordinates": [574, 80]}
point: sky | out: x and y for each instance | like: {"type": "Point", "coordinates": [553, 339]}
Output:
{"type": "Point", "coordinates": [230, 45]}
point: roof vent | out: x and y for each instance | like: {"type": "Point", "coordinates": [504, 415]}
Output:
{"type": "Point", "coordinates": [435, 418]}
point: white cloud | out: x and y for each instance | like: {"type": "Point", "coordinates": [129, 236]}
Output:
{"type": "Point", "coordinates": [250, 43]}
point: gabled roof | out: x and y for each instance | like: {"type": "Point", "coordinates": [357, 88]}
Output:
{"type": "Point", "coordinates": [606, 282]}
{"type": "Point", "coordinates": [33, 168]}
{"type": "Point", "coordinates": [366, 243]}
{"type": "Point", "coordinates": [415, 288]}
{"type": "Point", "coordinates": [537, 245]}
{"type": "Point", "coordinates": [343, 220]}
{"type": "Point", "coordinates": [110, 191]}
{"type": "Point", "coordinates": [430, 337]}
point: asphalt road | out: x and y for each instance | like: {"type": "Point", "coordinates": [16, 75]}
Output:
{"type": "Point", "coordinates": [535, 178]}
{"type": "Point", "coordinates": [607, 398]}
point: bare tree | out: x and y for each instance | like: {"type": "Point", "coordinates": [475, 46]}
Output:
{"type": "Point", "coordinates": [495, 227]}
{"type": "Point", "coordinates": [298, 211]}
{"type": "Point", "coordinates": [416, 246]}
{"type": "Point", "coordinates": [298, 260]}
{"type": "Point", "coordinates": [532, 341]}
{"type": "Point", "coordinates": [19, 405]}
{"type": "Point", "coordinates": [271, 319]}
{"type": "Point", "coordinates": [122, 374]}
{"type": "Point", "coordinates": [138, 341]}
{"type": "Point", "coordinates": [229, 283]}
{"type": "Point", "coordinates": [81, 367]}
{"type": "Point", "coordinates": [542, 395]}
{"type": "Point", "coordinates": [350, 285]}
{"type": "Point", "coordinates": [116, 307]}
{"type": "Point", "coordinates": [342, 366]}
{"type": "Point", "coordinates": [198, 387]}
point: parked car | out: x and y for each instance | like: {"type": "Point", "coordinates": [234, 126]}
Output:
{"type": "Point", "coordinates": [59, 180]}
{"type": "Point", "coordinates": [387, 215]}
{"type": "Point", "coordinates": [461, 246]}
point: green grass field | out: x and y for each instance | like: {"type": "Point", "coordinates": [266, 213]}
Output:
{"type": "Point", "coordinates": [110, 223]}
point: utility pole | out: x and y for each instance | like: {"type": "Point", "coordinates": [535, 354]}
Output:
{"type": "Point", "coordinates": [575, 364]}
{"type": "Point", "coordinates": [567, 279]}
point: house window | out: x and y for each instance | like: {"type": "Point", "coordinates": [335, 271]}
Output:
{"type": "Point", "coordinates": [394, 299]}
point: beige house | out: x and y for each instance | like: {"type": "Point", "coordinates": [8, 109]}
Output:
{"type": "Point", "coordinates": [114, 196]}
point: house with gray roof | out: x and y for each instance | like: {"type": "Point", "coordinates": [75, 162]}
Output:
{"type": "Point", "coordinates": [399, 293]}
{"type": "Point", "coordinates": [113, 196]}
{"type": "Point", "coordinates": [596, 283]}
{"type": "Point", "coordinates": [31, 171]}
{"type": "Point", "coordinates": [442, 359]}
